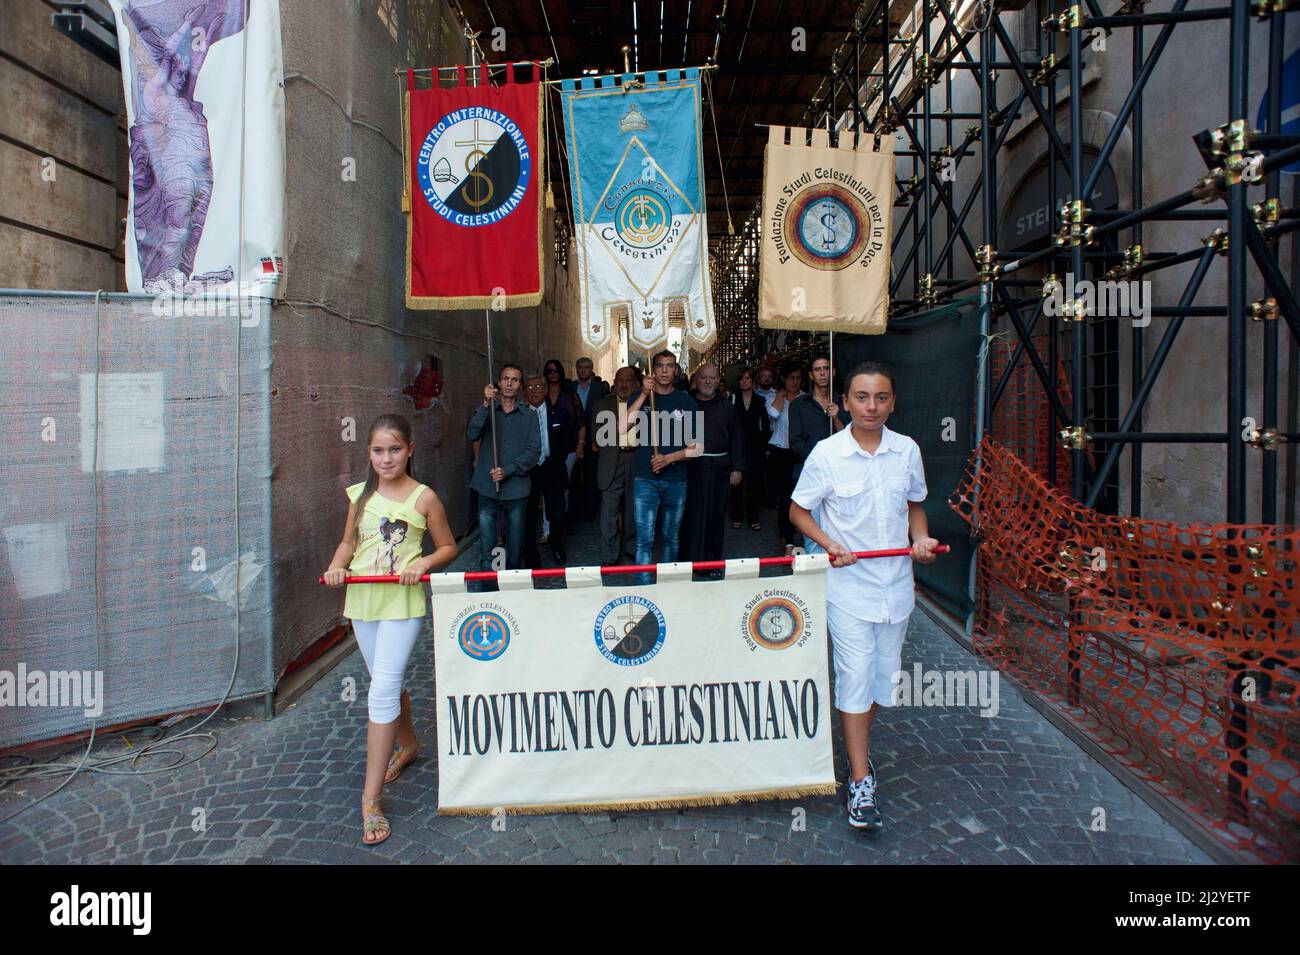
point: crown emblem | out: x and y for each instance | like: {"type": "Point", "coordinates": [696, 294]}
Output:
{"type": "Point", "coordinates": [633, 121]}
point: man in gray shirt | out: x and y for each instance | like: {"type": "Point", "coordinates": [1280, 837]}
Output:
{"type": "Point", "coordinates": [504, 487]}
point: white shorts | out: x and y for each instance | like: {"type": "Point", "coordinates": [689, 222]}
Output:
{"type": "Point", "coordinates": [866, 657]}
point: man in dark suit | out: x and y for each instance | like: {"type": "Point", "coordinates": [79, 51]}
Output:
{"type": "Point", "coordinates": [615, 461]}
{"type": "Point", "coordinates": [584, 495]}
{"type": "Point", "coordinates": [535, 394]}
{"type": "Point", "coordinates": [568, 429]}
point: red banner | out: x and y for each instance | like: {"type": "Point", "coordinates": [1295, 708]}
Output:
{"type": "Point", "coordinates": [474, 174]}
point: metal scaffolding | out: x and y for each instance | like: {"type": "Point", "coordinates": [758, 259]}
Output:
{"type": "Point", "coordinates": [931, 236]}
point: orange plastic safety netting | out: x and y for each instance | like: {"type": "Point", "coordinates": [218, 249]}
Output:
{"type": "Point", "coordinates": [1020, 419]}
{"type": "Point", "coordinates": [1176, 648]}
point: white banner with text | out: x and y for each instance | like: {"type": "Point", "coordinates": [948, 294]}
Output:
{"type": "Point", "coordinates": [671, 694]}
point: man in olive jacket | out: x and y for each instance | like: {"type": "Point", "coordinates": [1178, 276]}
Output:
{"type": "Point", "coordinates": [614, 464]}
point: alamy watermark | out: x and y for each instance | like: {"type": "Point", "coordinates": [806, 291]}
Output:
{"type": "Point", "coordinates": [663, 429]}
{"type": "Point", "coordinates": [923, 687]}
{"type": "Point", "coordinates": [242, 299]}
{"type": "Point", "coordinates": [1105, 299]}
{"type": "Point", "coordinates": [24, 687]}
{"type": "Point", "coordinates": [75, 907]}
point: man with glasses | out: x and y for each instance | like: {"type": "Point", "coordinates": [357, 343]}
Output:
{"type": "Point", "coordinates": [535, 395]}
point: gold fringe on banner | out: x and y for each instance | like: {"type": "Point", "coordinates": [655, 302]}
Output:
{"type": "Point", "coordinates": [635, 805]}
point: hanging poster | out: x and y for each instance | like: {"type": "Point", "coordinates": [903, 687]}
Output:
{"type": "Point", "coordinates": [205, 125]}
{"type": "Point", "coordinates": [474, 173]}
{"type": "Point", "coordinates": [640, 222]}
{"type": "Point", "coordinates": [827, 216]}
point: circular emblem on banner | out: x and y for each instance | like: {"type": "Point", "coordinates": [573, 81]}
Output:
{"type": "Point", "coordinates": [630, 630]}
{"type": "Point", "coordinates": [775, 619]}
{"type": "Point", "coordinates": [775, 623]}
{"type": "Point", "coordinates": [827, 227]}
{"type": "Point", "coordinates": [484, 635]}
{"type": "Point", "coordinates": [642, 218]}
{"type": "Point", "coordinates": [474, 170]}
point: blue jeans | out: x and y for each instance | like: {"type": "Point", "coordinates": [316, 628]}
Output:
{"type": "Point", "coordinates": [487, 531]}
{"type": "Point", "coordinates": [650, 498]}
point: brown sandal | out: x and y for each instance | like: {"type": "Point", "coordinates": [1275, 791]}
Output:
{"type": "Point", "coordinates": [373, 821]}
{"type": "Point", "coordinates": [401, 758]}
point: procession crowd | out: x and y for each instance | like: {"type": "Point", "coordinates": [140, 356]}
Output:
{"type": "Point", "coordinates": [656, 457]}
{"type": "Point", "coordinates": [653, 458]}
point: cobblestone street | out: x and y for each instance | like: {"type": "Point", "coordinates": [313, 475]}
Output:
{"type": "Point", "coordinates": [955, 787]}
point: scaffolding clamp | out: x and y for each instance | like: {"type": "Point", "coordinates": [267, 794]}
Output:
{"type": "Point", "coordinates": [1243, 167]}
{"type": "Point", "coordinates": [907, 188]}
{"type": "Point", "coordinates": [927, 69]}
{"type": "Point", "coordinates": [1218, 240]}
{"type": "Point", "coordinates": [1222, 608]}
{"type": "Point", "coordinates": [1207, 188]}
{"type": "Point", "coordinates": [1070, 19]}
{"type": "Point", "coordinates": [1047, 67]}
{"type": "Point", "coordinates": [937, 160]}
{"type": "Point", "coordinates": [1074, 227]}
{"type": "Point", "coordinates": [987, 257]}
{"type": "Point", "coordinates": [1264, 309]}
{"type": "Point", "coordinates": [1232, 137]}
{"type": "Point", "coordinates": [886, 120]}
{"type": "Point", "coordinates": [1075, 310]}
{"type": "Point", "coordinates": [1266, 8]}
{"type": "Point", "coordinates": [929, 294]}
{"type": "Point", "coordinates": [1131, 8]}
{"type": "Point", "coordinates": [1051, 284]}
{"type": "Point", "coordinates": [1265, 439]}
{"type": "Point", "coordinates": [1067, 562]}
{"type": "Point", "coordinates": [1256, 554]}
{"type": "Point", "coordinates": [1132, 261]}
{"type": "Point", "coordinates": [1267, 213]}
{"type": "Point", "coordinates": [974, 132]}
{"type": "Point", "coordinates": [1075, 439]}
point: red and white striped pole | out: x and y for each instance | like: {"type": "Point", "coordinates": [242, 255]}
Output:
{"type": "Point", "coordinates": [699, 565]}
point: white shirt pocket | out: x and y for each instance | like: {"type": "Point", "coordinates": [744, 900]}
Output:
{"type": "Point", "coordinates": [896, 492]}
{"type": "Point", "coordinates": [845, 499]}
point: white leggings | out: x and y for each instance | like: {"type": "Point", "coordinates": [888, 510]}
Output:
{"type": "Point", "coordinates": [386, 646]}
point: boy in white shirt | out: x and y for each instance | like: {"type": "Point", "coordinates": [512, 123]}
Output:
{"type": "Point", "coordinates": [868, 483]}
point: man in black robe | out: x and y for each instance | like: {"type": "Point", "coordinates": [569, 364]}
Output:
{"type": "Point", "coordinates": [710, 475]}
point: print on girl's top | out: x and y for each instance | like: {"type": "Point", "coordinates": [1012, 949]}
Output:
{"type": "Point", "coordinates": [389, 539]}
{"type": "Point", "coordinates": [393, 533]}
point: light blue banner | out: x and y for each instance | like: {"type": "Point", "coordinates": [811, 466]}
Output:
{"type": "Point", "coordinates": [635, 145]}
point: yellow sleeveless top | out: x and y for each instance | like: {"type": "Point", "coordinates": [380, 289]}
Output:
{"type": "Point", "coordinates": [389, 538]}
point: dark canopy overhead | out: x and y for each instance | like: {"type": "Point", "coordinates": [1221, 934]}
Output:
{"type": "Point", "coordinates": [768, 72]}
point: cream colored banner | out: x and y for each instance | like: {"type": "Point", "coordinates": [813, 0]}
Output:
{"type": "Point", "coordinates": [672, 694]}
{"type": "Point", "coordinates": [827, 220]}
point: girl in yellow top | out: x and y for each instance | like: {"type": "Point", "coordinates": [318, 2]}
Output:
{"type": "Point", "coordinates": [387, 518]}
